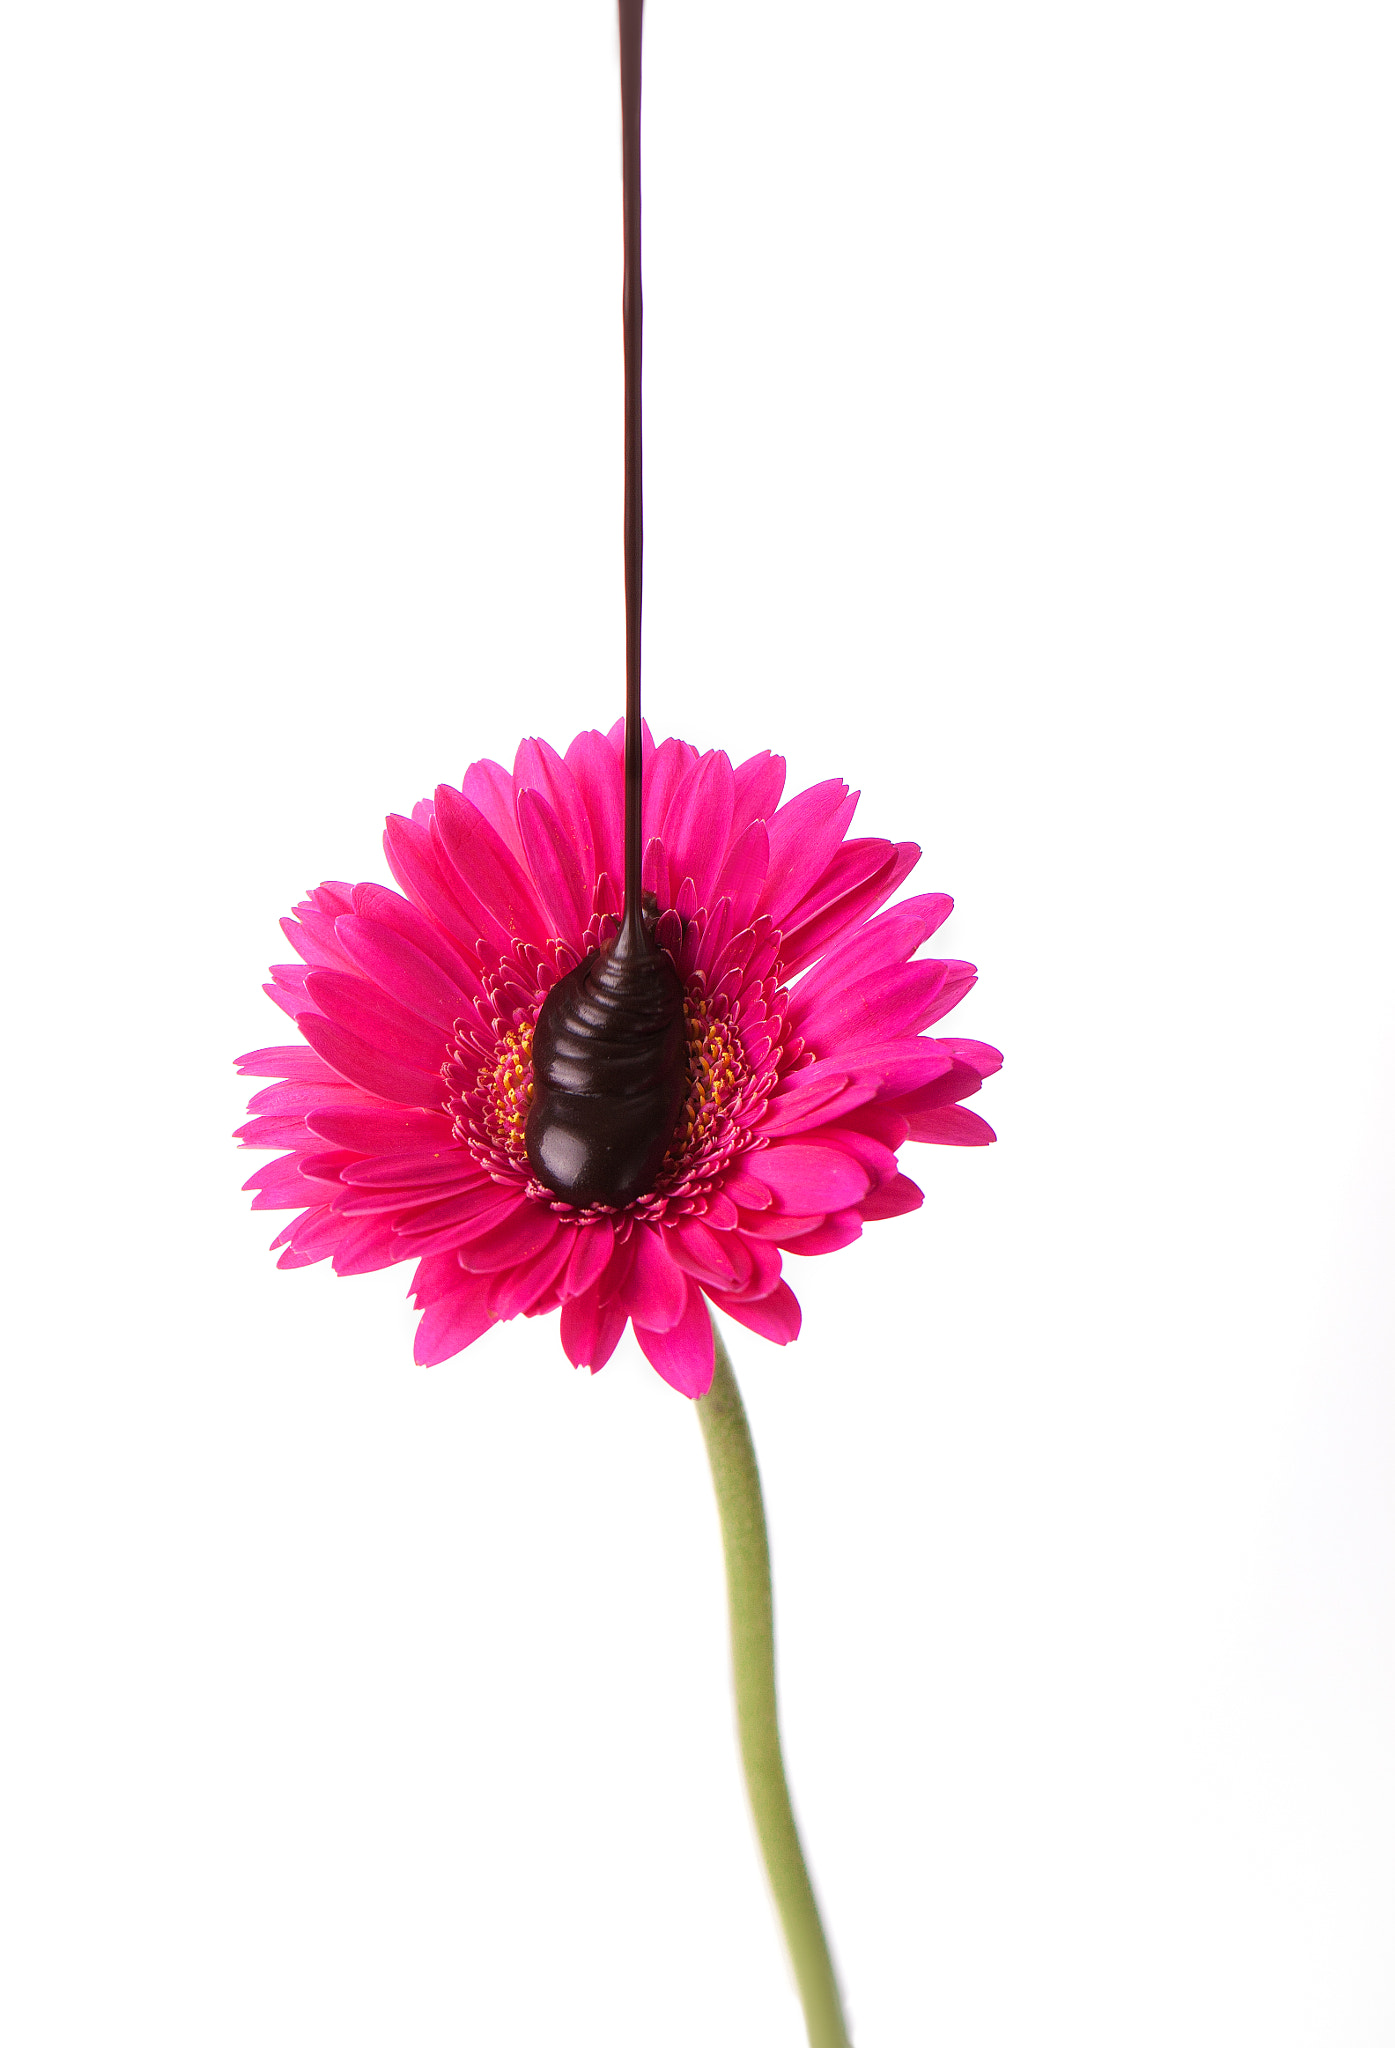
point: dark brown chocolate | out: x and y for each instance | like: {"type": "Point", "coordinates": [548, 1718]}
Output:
{"type": "Point", "coordinates": [610, 1051]}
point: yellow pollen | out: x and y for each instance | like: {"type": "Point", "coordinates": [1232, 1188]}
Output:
{"type": "Point", "coordinates": [506, 1086]}
{"type": "Point", "coordinates": [713, 1053]}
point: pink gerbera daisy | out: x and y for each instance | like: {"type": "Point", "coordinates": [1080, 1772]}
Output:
{"type": "Point", "coordinates": [402, 1113]}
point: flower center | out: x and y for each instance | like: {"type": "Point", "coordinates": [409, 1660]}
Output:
{"type": "Point", "coordinates": [492, 1114]}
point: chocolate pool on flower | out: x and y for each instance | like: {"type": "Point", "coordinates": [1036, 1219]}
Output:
{"type": "Point", "coordinates": [610, 1072]}
{"type": "Point", "coordinates": [403, 1112]}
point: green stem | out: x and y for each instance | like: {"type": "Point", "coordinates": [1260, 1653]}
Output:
{"type": "Point", "coordinates": [741, 1512]}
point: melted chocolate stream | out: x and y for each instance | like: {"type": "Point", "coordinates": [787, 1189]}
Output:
{"type": "Point", "coordinates": [610, 1064]}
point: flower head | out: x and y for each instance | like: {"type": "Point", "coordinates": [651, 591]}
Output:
{"type": "Point", "coordinates": [401, 1114]}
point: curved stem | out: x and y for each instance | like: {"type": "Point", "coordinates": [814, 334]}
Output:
{"type": "Point", "coordinates": [741, 1512]}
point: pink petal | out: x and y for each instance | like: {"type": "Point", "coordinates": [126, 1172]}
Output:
{"type": "Point", "coordinates": [434, 1278]}
{"type": "Point", "coordinates": [888, 941]}
{"type": "Point", "coordinates": [738, 1245]}
{"type": "Point", "coordinates": [878, 1161]}
{"type": "Point", "coordinates": [469, 1214]}
{"type": "Point", "coordinates": [950, 1126]}
{"type": "Point", "coordinates": [712, 942]}
{"type": "Point", "coordinates": [316, 1234]}
{"type": "Point", "coordinates": [984, 1059]}
{"type": "Point", "coordinates": [288, 992]}
{"type": "Point", "coordinates": [668, 932]}
{"type": "Point", "coordinates": [656, 1292]}
{"type": "Point", "coordinates": [698, 825]}
{"type": "Point", "coordinates": [408, 976]}
{"type": "Point", "coordinates": [682, 1355]}
{"type": "Point", "coordinates": [280, 1173]}
{"type": "Point", "coordinates": [700, 1252]}
{"type": "Point", "coordinates": [764, 1263]}
{"type": "Point", "coordinates": [415, 1211]}
{"type": "Point", "coordinates": [798, 1108]}
{"type": "Point", "coordinates": [664, 769]}
{"type": "Point", "coordinates": [312, 935]}
{"type": "Point", "coordinates": [488, 870]}
{"type": "Point", "coordinates": [290, 974]}
{"type": "Point", "coordinates": [881, 1120]}
{"type": "Point", "coordinates": [539, 767]}
{"type": "Point", "coordinates": [863, 1085]}
{"type": "Point", "coordinates": [385, 906]}
{"type": "Point", "coordinates": [451, 1237]}
{"type": "Point", "coordinates": [898, 1198]}
{"type": "Point", "coordinates": [685, 903]}
{"type": "Point", "coordinates": [960, 980]}
{"type": "Point", "coordinates": [592, 1245]}
{"type": "Point", "coordinates": [591, 1329]}
{"type": "Point", "coordinates": [454, 1322]}
{"type": "Point", "coordinates": [896, 1003]}
{"type": "Point", "coordinates": [377, 1127]}
{"type": "Point", "coordinates": [854, 864]}
{"type": "Point", "coordinates": [291, 1063]}
{"type": "Point", "coordinates": [427, 878]}
{"type": "Point", "coordinates": [438, 1168]}
{"type": "Point", "coordinates": [516, 1289]}
{"type": "Point", "coordinates": [564, 889]}
{"type": "Point", "coordinates": [367, 1246]}
{"type": "Point", "coordinates": [759, 784]}
{"type": "Point", "coordinates": [281, 1185]}
{"type": "Point", "coordinates": [804, 836]}
{"type": "Point", "coordinates": [615, 1279]}
{"type": "Point", "coordinates": [333, 898]}
{"type": "Point", "coordinates": [778, 1226]}
{"type": "Point", "coordinates": [831, 1236]}
{"type": "Point", "coordinates": [490, 788]}
{"type": "Point", "coordinates": [494, 938]}
{"type": "Point", "coordinates": [371, 1015]}
{"type": "Point", "coordinates": [743, 874]}
{"type": "Point", "coordinates": [961, 1080]}
{"type": "Point", "coordinates": [895, 1068]}
{"type": "Point", "coordinates": [274, 1134]}
{"type": "Point", "coordinates": [597, 776]}
{"type": "Point", "coordinates": [369, 1069]}
{"type": "Point", "coordinates": [815, 933]}
{"type": "Point", "coordinates": [655, 874]}
{"type": "Point", "coordinates": [522, 1233]}
{"type": "Point", "coordinates": [326, 1166]}
{"type": "Point", "coordinates": [776, 1316]}
{"type": "Point", "coordinates": [298, 1098]}
{"type": "Point", "coordinates": [808, 1178]}
{"type": "Point", "coordinates": [741, 1186]}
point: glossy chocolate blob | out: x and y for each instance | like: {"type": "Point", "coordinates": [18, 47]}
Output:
{"type": "Point", "coordinates": [610, 1072]}
{"type": "Point", "coordinates": [610, 1056]}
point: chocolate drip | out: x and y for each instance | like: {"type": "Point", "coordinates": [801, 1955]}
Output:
{"type": "Point", "coordinates": [612, 1071]}
{"type": "Point", "coordinates": [609, 1049]}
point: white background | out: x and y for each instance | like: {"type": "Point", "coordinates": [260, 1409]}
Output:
{"type": "Point", "coordinates": [1020, 447]}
